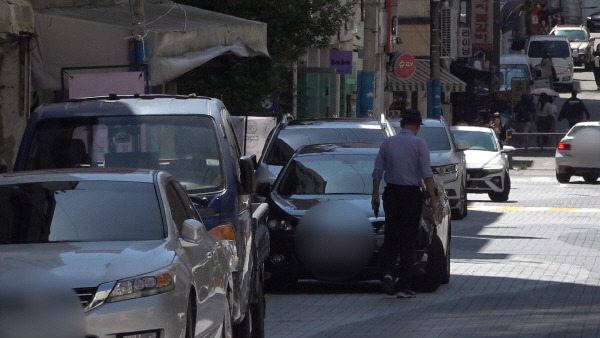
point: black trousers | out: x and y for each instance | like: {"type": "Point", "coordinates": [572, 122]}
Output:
{"type": "Point", "coordinates": [402, 206]}
{"type": "Point", "coordinates": [597, 76]}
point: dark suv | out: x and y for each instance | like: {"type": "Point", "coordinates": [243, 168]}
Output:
{"type": "Point", "coordinates": [190, 137]}
{"type": "Point", "coordinates": [288, 136]}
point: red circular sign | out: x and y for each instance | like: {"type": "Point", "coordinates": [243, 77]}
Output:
{"type": "Point", "coordinates": [404, 66]}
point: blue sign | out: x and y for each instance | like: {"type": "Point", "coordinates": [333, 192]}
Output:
{"type": "Point", "coordinates": [341, 61]}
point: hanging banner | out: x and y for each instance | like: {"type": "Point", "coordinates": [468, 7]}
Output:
{"type": "Point", "coordinates": [482, 25]}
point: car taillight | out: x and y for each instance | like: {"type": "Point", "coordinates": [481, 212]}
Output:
{"type": "Point", "coordinates": [563, 146]}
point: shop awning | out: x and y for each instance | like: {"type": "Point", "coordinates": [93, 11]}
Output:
{"type": "Point", "coordinates": [178, 39]}
{"type": "Point", "coordinates": [16, 17]}
{"type": "Point", "coordinates": [418, 82]}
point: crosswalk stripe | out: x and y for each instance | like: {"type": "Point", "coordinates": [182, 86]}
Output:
{"type": "Point", "coordinates": [551, 209]}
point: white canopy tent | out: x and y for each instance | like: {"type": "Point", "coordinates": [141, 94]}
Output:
{"type": "Point", "coordinates": [178, 39]}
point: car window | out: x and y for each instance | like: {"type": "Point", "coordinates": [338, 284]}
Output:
{"type": "Point", "coordinates": [185, 146]}
{"type": "Point", "coordinates": [435, 137]}
{"type": "Point", "coordinates": [572, 35]}
{"type": "Point", "coordinates": [289, 140]}
{"type": "Point", "coordinates": [328, 174]}
{"type": "Point", "coordinates": [557, 49]}
{"type": "Point", "coordinates": [478, 140]}
{"type": "Point", "coordinates": [79, 211]}
{"type": "Point", "coordinates": [178, 211]}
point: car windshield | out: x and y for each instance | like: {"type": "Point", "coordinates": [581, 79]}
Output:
{"type": "Point", "coordinates": [478, 140]}
{"type": "Point", "coordinates": [572, 35]}
{"type": "Point", "coordinates": [435, 137]}
{"type": "Point", "coordinates": [289, 140]}
{"type": "Point", "coordinates": [557, 49]}
{"type": "Point", "coordinates": [327, 174]}
{"type": "Point", "coordinates": [509, 74]}
{"type": "Point", "coordinates": [81, 211]}
{"type": "Point", "coordinates": [185, 146]}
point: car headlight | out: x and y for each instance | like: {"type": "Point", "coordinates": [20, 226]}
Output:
{"type": "Point", "coordinates": [582, 48]}
{"type": "Point", "coordinates": [142, 287]}
{"type": "Point", "coordinates": [445, 169]}
{"type": "Point", "coordinates": [569, 68]}
{"type": "Point", "coordinates": [281, 225]}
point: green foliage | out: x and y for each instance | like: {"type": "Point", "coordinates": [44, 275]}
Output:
{"type": "Point", "coordinates": [293, 26]}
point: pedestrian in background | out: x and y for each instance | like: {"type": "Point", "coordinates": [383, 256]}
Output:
{"type": "Point", "coordinates": [543, 28]}
{"type": "Point", "coordinates": [479, 61]}
{"type": "Point", "coordinates": [545, 119]}
{"type": "Point", "coordinates": [498, 127]}
{"type": "Point", "coordinates": [535, 19]}
{"type": "Point", "coordinates": [597, 66]}
{"type": "Point", "coordinates": [403, 162]}
{"type": "Point", "coordinates": [573, 110]}
{"type": "Point", "coordinates": [524, 113]}
{"type": "Point", "coordinates": [547, 68]}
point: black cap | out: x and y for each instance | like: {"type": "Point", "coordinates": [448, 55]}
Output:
{"type": "Point", "coordinates": [412, 116]}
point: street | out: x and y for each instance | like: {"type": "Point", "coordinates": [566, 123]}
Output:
{"type": "Point", "coordinates": [527, 267]}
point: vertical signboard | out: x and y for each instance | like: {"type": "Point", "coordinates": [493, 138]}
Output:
{"type": "Point", "coordinates": [482, 24]}
{"type": "Point", "coordinates": [464, 42]}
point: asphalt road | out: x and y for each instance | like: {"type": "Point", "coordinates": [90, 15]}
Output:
{"type": "Point", "coordinates": [529, 267]}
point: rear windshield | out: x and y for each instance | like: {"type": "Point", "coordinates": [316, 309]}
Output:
{"type": "Point", "coordinates": [572, 35]}
{"type": "Point", "coordinates": [435, 137]}
{"type": "Point", "coordinates": [289, 140]}
{"type": "Point", "coordinates": [557, 49]}
{"type": "Point", "coordinates": [79, 211]}
{"type": "Point", "coordinates": [589, 129]}
{"type": "Point", "coordinates": [185, 146]}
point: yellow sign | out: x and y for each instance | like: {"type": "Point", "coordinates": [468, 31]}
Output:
{"type": "Point", "coordinates": [518, 88]}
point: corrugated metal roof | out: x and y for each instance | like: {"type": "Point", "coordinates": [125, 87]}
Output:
{"type": "Point", "coordinates": [418, 82]}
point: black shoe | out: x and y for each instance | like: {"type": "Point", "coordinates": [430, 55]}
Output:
{"type": "Point", "coordinates": [388, 284]}
{"type": "Point", "coordinates": [405, 293]}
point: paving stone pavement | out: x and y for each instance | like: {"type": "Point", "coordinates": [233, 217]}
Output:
{"type": "Point", "coordinates": [515, 273]}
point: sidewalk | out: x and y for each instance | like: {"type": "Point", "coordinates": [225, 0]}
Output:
{"type": "Point", "coordinates": [533, 158]}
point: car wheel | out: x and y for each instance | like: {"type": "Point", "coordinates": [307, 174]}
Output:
{"type": "Point", "coordinates": [258, 306]}
{"type": "Point", "coordinates": [461, 212]}
{"type": "Point", "coordinates": [435, 268]}
{"type": "Point", "coordinates": [226, 326]}
{"type": "Point", "coordinates": [446, 276]}
{"type": "Point", "coordinates": [590, 178]}
{"type": "Point", "coordinates": [563, 178]}
{"type": "Point", "coordinates": [190, 319]}
{"type": "Point", "coordinates": [502, 196]}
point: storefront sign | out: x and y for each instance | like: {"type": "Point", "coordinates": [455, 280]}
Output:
{"type": "Point", "coordinates": [464, 42]}
{"type": "Point", "coordinates": [482, 24]}
{"type": "Point", "coordinates": [101, 84]}
{"type": "Point", "coordinates": [341, 61]}
{"type": "Point", "coordinates": [404, 65]}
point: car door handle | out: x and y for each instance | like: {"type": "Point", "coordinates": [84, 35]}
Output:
{"type": "Point", "coordinates": [209, 254]}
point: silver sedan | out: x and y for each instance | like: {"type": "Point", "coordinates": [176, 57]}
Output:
{"type": "Point", "coordinates": [129, 243]}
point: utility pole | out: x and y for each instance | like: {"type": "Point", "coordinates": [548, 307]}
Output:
{"type": "Point", "coordinates": [366, 79]}
{"type": "Point", "coordinates": [495, 61]}
{"type": "Point", "coordinates": [434, 101]}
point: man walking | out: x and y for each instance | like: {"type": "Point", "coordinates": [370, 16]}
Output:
{"type": "Point", "coordinates": [403, 161]}
{"type": "Point", "coordinates": [573, 110]}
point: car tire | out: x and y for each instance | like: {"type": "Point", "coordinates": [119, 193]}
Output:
{"type": "Point", "coordinates": [502, 196]}
{"type": "Point", "coordinates": [563, 178]}
{"type": "Point", "coordinates": [258, 305]}
{"type": "Point", "coordinates": [590, 178]}
{"type": "Point", "coordinates": [226, 326]}
{"type": "Point", "coordinates": [446, 276]}
{"type": "Point", "coordinates": [190, 319]}
{"type": "Point", "coordinates": [462, 211]}
{"type": "Point", "coordinates": [435, 268]}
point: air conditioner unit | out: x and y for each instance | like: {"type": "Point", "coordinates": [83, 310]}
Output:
{"type": "Point", "coordinates": [448, 29]}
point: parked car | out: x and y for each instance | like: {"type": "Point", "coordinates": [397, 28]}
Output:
{"type": "Point", "coordinates": [593, 22]}
{"type": "Point", "coordinates": [189, 136]}
{"type": "Point", "coordinates": [560, 52]}
{"type": "Point", "coordinates": [577, 153]}
{"type": "Point", "coordinates": [289, 135]}
{"type": "Point", "coordinates": [581, 43]}
{"type": "Point", "coordinates": [129, 243]}
{"type": "Point", "coordinates": [448, 162]}
{"type": "Point", "coordinates": [326, 173]}
{"type": "Point", "coordinates": [487, 162]}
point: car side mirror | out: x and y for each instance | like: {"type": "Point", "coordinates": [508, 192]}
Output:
{"type": "Point", "coordinates": [462, 145]}
{"type": "Point", "coordinates": [247, 174]}
{"type": "Point", "coordinates": [508, 149]}
{"type": "Point", "coordinates": [192, 231]}
{"type": "Point", "coordinates": [263, 189]}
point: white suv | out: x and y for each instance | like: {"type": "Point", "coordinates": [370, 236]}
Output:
{"type": "Point", "coordinates": [560, 52]}
{"type": "Point", "coordinates": [447, 162]}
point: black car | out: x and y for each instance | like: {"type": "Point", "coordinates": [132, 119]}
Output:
{"type": "Point", "coordinates": [340, 174]}
{"type": "Point", "coordinates": [593, 22]}
{"type": "Point", "coordinates": [289, 135]}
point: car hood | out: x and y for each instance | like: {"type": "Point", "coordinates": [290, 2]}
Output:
{"type": "Point", "coordinates": [298, 205]}
{"type": "Point", "coordinates": [437, 158]}
{"type": "Point", "coordinates": [88, 264]}
{"type": "Point", "coordinates": [481, 158]}
{"type": "Point", "coordinates": [577, 45]}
